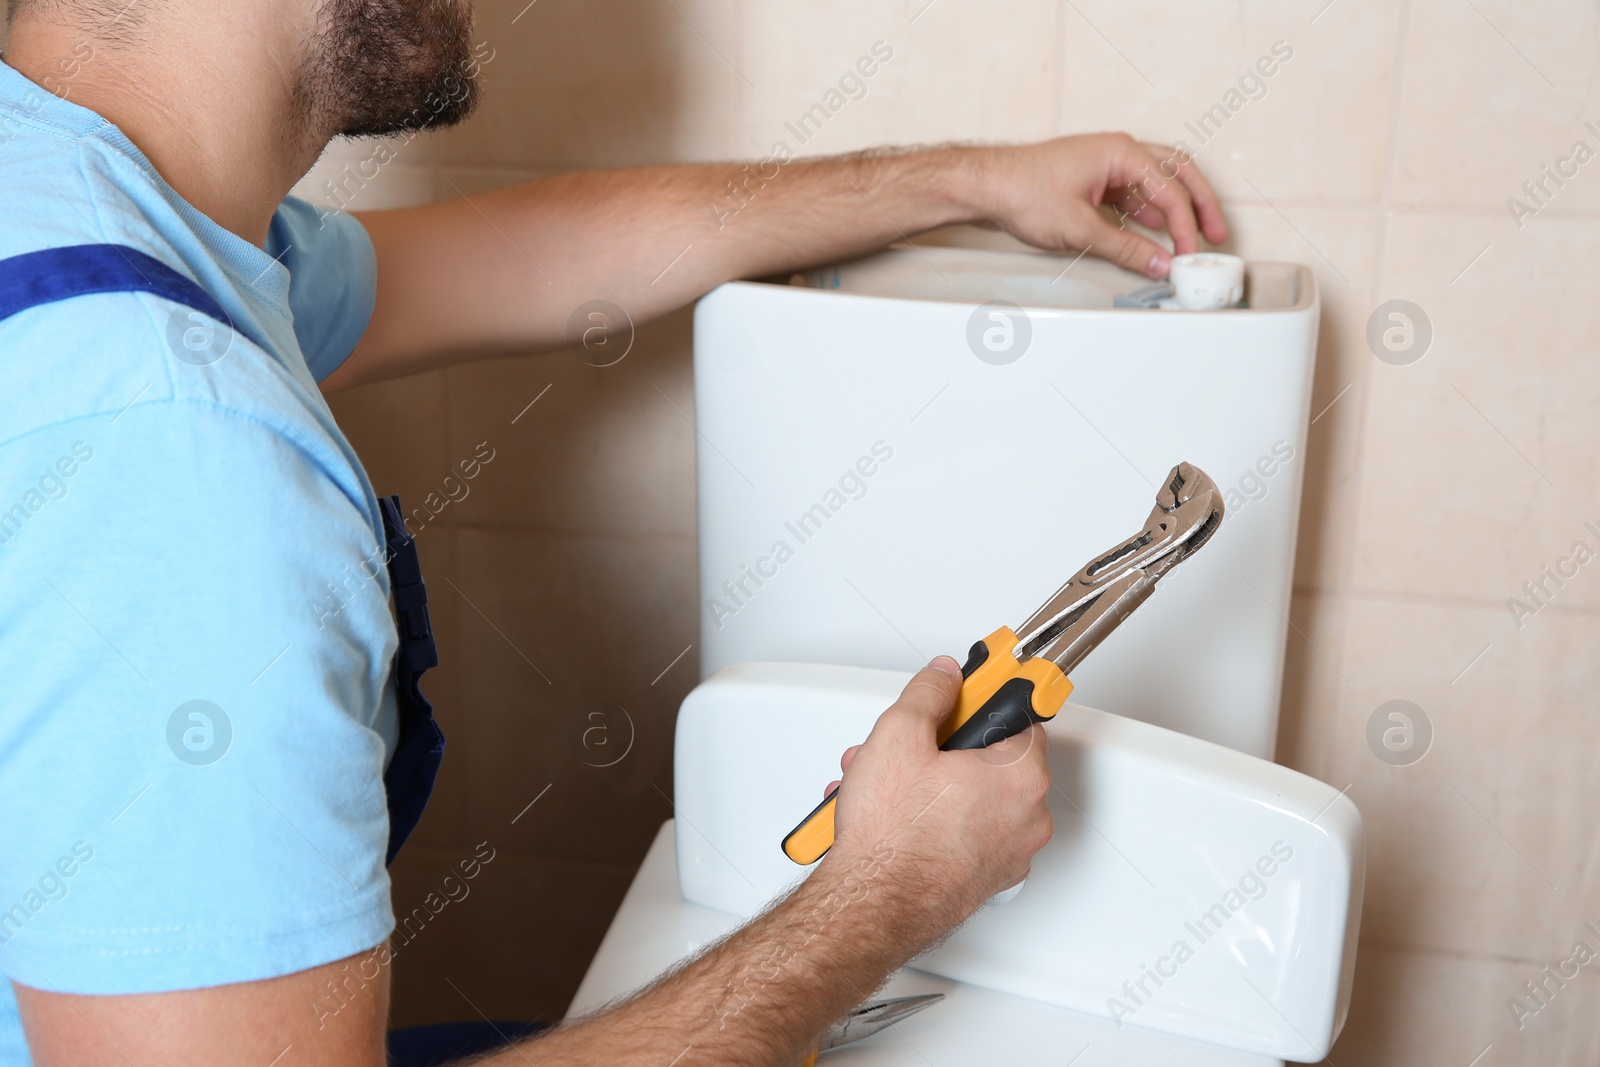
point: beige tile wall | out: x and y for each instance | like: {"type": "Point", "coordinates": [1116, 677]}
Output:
{"type": "Point", "coordinates": [1381, 153]}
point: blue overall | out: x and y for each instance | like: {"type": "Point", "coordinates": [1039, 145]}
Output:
{"type": "Point", "coordinates": [54, 274]}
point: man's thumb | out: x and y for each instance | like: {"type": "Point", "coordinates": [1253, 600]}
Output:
{"type": "Point", "coordinates": [928, 698]}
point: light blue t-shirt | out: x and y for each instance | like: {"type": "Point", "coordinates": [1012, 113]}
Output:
{"type": "Point", "coordinates": [196, 706]}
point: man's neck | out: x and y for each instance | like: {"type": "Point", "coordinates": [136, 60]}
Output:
{"type": "Point", "coordinates": [211, 101]}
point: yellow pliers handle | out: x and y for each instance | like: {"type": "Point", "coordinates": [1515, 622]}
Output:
{"type": "Point", "coordinates": [1000, 697]}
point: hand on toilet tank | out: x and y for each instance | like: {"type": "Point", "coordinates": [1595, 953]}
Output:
{"type": "Point", "coordinates": [1050, 194]}
{"type": "Point", "coordinates": [941, 832]}
{"type": "Point", "coordinates": [594, 229]}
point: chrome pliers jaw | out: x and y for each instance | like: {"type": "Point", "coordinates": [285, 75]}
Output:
{"type": "Point", "coordinates": [1096, 600]}
{"type": "Point", "coordinates": [877, 1015]}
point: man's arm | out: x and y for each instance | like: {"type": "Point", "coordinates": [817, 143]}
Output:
{"type": "Point", "coordinates": [505, 271]}
{"type": "Point", "coordinates": [924, 837]}
{"type": "Point", "coordinates": [244, 1023]}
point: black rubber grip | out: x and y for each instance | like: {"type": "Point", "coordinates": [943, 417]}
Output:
{"type": "Point", "coordinates": [1006, 714]}
{"type": "Point", "coordinates": [977, 656]}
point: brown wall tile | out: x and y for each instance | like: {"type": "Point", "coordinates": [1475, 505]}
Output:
{"type": "Point", "coordinates": [510, 944]}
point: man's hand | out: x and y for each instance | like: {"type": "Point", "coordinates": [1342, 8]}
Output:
{"type": "Point", "coordinates": [950, 829]}
{"type": "Point", "coordinates": [1050, 195]}
{"type": "Point", "coordinates": [506, 271]}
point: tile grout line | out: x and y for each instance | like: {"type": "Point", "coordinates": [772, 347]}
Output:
{"type": "Point", "coordinates": [1439, 600]}
{"type": "Point", "coordinates": [1344, 606]}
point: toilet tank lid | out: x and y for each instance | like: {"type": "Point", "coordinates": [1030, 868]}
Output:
{"type": "Point", "coordinates": [1030, 279]}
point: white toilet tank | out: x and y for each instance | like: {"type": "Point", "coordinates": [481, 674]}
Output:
{"type": "Point", "coordinates": [908, 451]}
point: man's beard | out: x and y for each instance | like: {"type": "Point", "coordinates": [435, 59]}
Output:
{"type": "Point", "coordinates": [385, 66]}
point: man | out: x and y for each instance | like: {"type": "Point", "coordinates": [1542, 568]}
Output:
{"type": "Point", "coordinates": [171, 502]}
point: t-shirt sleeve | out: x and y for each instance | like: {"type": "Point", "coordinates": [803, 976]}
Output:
{"type": "Point", "coordinates": [333, 280]}
{"type": "Point", "coordinates": [195, 632]}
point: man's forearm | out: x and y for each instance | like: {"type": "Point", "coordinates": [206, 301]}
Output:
{"type": "Point", "coordinates": [761, 996]}
{"type": "Point", "coordinates": [505, 271]}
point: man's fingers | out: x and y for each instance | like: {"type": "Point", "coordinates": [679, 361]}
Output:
{"type": "Point", "coordinates": [830, 787]}
{"type": "Point", "coordinates": [1131, 204]}
{"type": "Point", "coordinates": [1207, 206]}
{"type": "Point", "coordinates": [848, 757]}
{"type": "Point", "coordinates": [1156, 183]}
{"type": "Point", "coordinates": [1124, 247]}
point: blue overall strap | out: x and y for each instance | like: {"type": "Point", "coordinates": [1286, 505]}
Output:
{"type": "Point", "coordinates": [420, 749]}
{"type": "Point", "coordinates": [54, 274]}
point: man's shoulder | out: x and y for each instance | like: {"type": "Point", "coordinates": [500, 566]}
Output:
{"type": "Point", "coordinates": [94, 356]}
{"type": "Point", "coordinates": [73, 220]}
{"type": "Point", "coordinates": [98, 312]}
{"type": "Point", "coordinates": [60, 185]}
